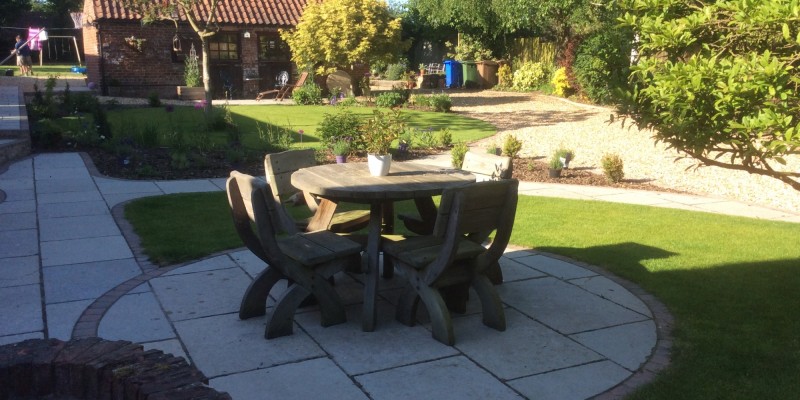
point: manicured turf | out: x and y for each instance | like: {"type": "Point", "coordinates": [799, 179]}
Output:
{"type": "Point", "coordinates": [732, 284]}
{"type": "Point", "coordinates": [294, 118]}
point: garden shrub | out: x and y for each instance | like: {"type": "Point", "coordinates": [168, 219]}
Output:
{"type": "Point", "coordinates": [602, 64]}
{"type": "Point", "coordinates": [389, 99]}
{"type": "Point", "coordinates": [561, 86]}
{"type": "Point", "coordinates": [342, 125]}
{"type": "Point", "coordinates": [613, 167]}
{"type": "Point", "coordinates": [529, 76]}
{"type": "Point", "coordinates": [512, 146]}
{"type": "Point", "coordinates": [457, 154]}
{"type": "Point", "coordinates": [426, 138]}
{"type": "Point", "coordinates": [153, 100]}
{"type": "Point", "coordinates": [46, 134]}
{"type": "Point", "coordinates": [308, 94]}
{"type": "Point", "coordinates": [445, 137]}
{"type": "Point", "coordinates": [441, 102]}
{"type": "Point", "coordinates": [395, 71]}
{"type": "Point", "coordinates": [504, 76]}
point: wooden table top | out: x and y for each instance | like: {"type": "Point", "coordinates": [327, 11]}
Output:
{"type": "Point", "coordinates": [352, 181]}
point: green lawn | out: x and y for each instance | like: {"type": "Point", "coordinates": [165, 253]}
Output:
{"type": "Point", "coordinates": [295, 118]}
{"type": "Point", "coordinates": [733, 284]}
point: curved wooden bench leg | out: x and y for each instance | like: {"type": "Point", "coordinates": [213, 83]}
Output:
{"type": "Point", "coordinates": [331, 306]}
{"type": "Point", "coordinates": [406, 310]}
{"type": "Point", "coordinates": [281, 320]}
{"type": "Point", "coordinates": [441, 323]}
{"type": "Point", "coordinates": [493, 314]}
{"type": "Point", "coordinates": [254, 301]}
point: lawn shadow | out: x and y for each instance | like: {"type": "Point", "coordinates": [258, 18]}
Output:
{"type": "Point", "coordinates": [627, 254]}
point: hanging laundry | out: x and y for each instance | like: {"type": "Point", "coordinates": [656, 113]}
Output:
{"type": "Point", "coordinates": [36, 35]}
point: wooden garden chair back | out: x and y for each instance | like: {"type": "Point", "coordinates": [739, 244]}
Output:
{"type": "Point", "coordinates": [279, 168]}
{"type": "Point", "coordinates": [484, 166]}
{"type": "Point", "coordinates": [284, 88]}
{"type": "Point", "coordinates": [305, 260]}
{"type": "Point", "coordinates": [449, 257]}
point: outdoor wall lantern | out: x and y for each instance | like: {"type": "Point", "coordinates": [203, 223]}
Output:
{"type": "Point", "coordinates": [247, 34]}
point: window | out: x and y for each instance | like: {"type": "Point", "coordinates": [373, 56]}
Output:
{"type": "Point", "coordinates": [224, 46]}
{"type": "Point", "coordinates": [272, 48]}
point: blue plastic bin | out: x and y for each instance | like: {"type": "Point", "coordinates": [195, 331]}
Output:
{"type": "Point", "coordinates": [452, 74]}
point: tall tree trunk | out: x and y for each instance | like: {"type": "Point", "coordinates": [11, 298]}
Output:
{"type": "Point", "coordinates": [206, 74]}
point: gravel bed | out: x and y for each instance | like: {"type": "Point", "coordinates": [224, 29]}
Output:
{"type": "Point", "coordinates": [545, 123]}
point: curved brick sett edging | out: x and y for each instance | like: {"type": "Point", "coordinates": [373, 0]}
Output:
{"type": "Point", "coordinates": [95, 368]}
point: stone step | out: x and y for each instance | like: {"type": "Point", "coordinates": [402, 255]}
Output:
{"type": "Point", "coordinates": [14, 149]}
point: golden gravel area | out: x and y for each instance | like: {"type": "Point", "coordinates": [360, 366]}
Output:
{"type": "Point", "coordinates": [545, 123]}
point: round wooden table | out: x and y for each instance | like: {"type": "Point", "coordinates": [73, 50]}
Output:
{"type": "Point", "coordinates": [351, 182]}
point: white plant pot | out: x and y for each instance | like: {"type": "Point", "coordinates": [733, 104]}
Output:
{"type": "Point", "coordinates": [379, 164]}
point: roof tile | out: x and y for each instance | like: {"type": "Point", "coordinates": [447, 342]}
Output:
{"type": "Point", "coordinates": [239, 12]}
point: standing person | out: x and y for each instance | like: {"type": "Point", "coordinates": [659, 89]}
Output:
{"type": "Point", "coordinates": [23, 56]}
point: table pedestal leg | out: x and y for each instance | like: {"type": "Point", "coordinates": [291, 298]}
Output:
{"type": "Point", "coordinates": [369, 314]}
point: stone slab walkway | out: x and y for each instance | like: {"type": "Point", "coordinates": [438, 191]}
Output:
{"type": "Point", "coordinates": [67, 270]}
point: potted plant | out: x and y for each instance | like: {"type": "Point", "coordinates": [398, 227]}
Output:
{"type": "Point", "coordinates": [192, 78]}
{"type": "Point", "coordinates": [378, 132]}
{"type": "Point", "coordinates": [340, 150]}
{"type": "Point", "coordinates": [565, 155]}
{"type": "Point", "coordinates": [555, 166]}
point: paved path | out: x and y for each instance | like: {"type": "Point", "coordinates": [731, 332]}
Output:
{"type": "Point", "coordinates": [67, 270]}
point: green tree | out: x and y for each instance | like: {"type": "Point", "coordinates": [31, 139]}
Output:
{"type": "Point", "coordinates": [718, 81]}
{"type": "Point", "coordinates": [343, 32]}
{"type": "Point", "coordinates": [10, 10]}
{"type": "Point", "coordinates": [201, 16]}
{"type": "Point", "coordinates": [58, 10]}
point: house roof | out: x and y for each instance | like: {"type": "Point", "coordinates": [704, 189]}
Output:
{"type": "Point", "coordinates": [240, 12]}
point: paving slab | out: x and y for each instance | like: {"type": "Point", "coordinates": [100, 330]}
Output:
{"type": "Point", "coordinates": [141, 311]}
{"type": "Point", "coordinates": [61, 318]}
{"type": "Point", "coordinates": [58, 173]}
{"type": "Point", "coordinates": [291, 381]}
{"type": "Point", "coordinates": [71, 184]}
{"type": "Point", "coordinates": [224, 345]}
{"type": "Point", "coordinates": [249, 262]}
{"type": "Point", "coordinates": [21, 206]}
{"type": "Point", "coordinates": [359, 352]}
{"type": "Point", "coordinates": [526, 348]}
{"type": "Point", "coordinates": [119, 186]}
{"type": "Point", "coordinates": [20, 310]}
{"type": "Point", "coordinates": [209, 264]}
{"type": "Point", "coordinates": [79, 251]}
{"type": "Point", "coordinates": [628, 345]}
{"type": "Point", "coordinates": [10, 185]}
{"type": "Point", "coordinates": [76, 209]}
{"type": "Point", "coordinates": [20, 169]}
{"type": "Point", "coordinates": [68, 197]}
{"type": "Point", "coordinates": [448, 378]}
{"type": "Point", "coordinates": [84, 226]}
{"type": "Point", "coordinates": [19, 271]}
{"type": "Point", "coordinates": [576, 383]}
{"type": "Point", "coordinates": [112, 200]}
{"type": "Point", "coordinates": [513, 270]}
{"type": "Point", "coordinates": [187, 186]}
{"type": "Point", "coordinates": [610, 290]}
{"type": "Point", "coordinates": [58, 161]}
{"type": "Point", "coordinates": [17, 221]}
{"type": "Point", "coordinates": [20, 195]}
{"type": "Point", "coordinates": [86, 281]}
{"type": "Point", "coordinates": [202, 293]}
{"type": "Point", "coordinates": [19, 243]}
{"type": "Point", "coordinates": [564, 307]}
{"type": "Point", "coordinates": [554, 267]}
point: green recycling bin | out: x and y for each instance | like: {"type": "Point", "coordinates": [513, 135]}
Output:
{"type": "Point", "coordinates": [470, 72]}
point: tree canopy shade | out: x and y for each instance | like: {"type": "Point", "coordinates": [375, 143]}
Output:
{"type": "Point", "coordinates": [718, 81]}
{"type": "Point", "coordinates": [10, 10]}
{"type": "Point", "coordinates": [343, 32]}
{"type": "Point", "coordinates": [201, 15]}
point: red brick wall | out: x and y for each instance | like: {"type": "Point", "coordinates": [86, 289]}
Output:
{"type": "Point", "coordinates": [138, 73]}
